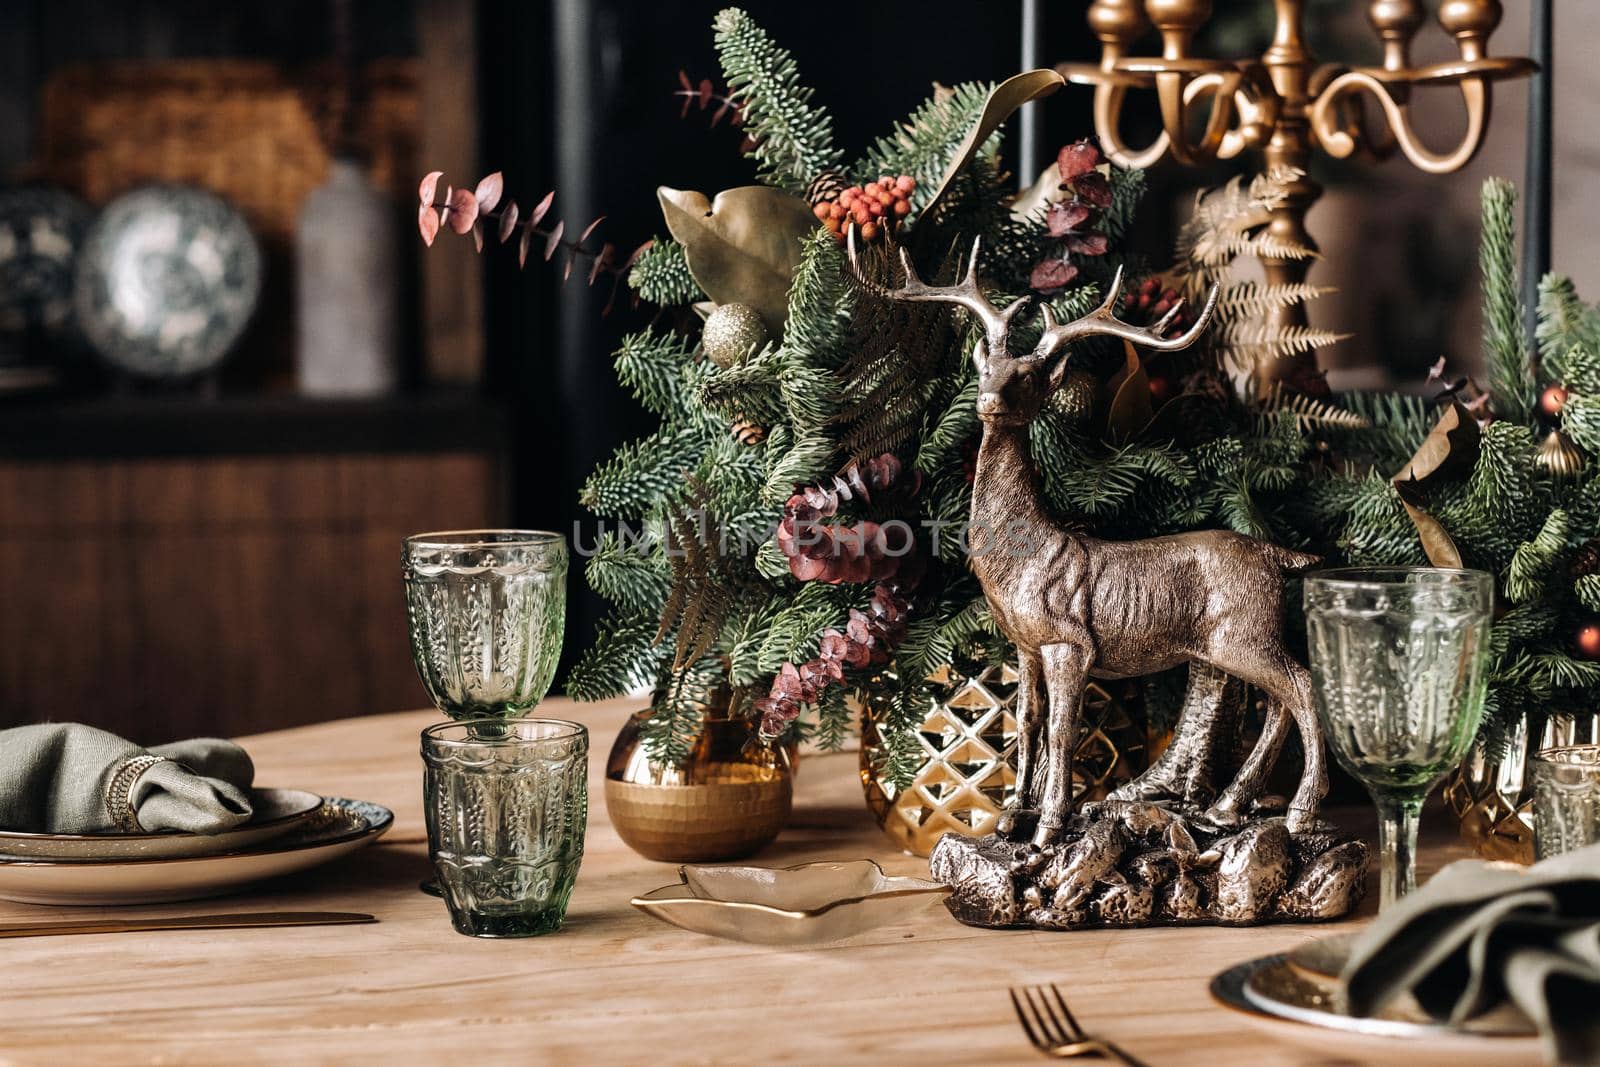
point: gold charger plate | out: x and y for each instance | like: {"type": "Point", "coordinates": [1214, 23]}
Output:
{"type": "Point", "coordinates": [1298, 1009]}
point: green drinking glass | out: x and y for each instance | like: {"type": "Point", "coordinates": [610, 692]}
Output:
{"type": "Point", "coordinates": [486, 611]}
{"type": "Point", "coordinates": [507, 803]}
{"type": "Point", "coordinates": [1398, 669]}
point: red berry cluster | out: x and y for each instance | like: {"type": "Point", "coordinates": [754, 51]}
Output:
{"type": "Point", "coordinates": [1145, 305]}
{"type": "Point", "coordinates": [1072, 219]}
{"type": "Point", "coordinates": [866, 640]}
{"type": "Point", "coordinates": [872, 208]}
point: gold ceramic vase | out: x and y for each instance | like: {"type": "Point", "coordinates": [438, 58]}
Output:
{"type": "Point", "coordinates": [1492, 799]}
{"type": "Point", "coordinates": [726, 800]}
{"type": "Point", "coordinates": [968, 736]}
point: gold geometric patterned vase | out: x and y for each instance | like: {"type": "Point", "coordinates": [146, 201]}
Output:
{"type": "Point", "coordinates": [968, 737]}
{"type": "Point", "coordinates": [1492, 799]}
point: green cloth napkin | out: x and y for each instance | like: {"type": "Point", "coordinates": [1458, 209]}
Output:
{"type": "Point", "coordinates": [53, 779]}
{"type": "Point", "coordinates": [1479, 934]}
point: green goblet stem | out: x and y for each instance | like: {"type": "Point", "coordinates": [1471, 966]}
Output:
{"type": "Point", "coordinates": [1397, 845]}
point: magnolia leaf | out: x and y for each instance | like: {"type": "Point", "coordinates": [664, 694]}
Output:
{"type": "Point", "coordinates": [743, 247]}
{"type": "Point", "coordinates": [1450, 447]}
{"type": "Point", "coordinates": [703, 308]}
{"type": "Point", "coordinates": [1130, 410]}
{"type": "Point", "coordinates": [1001, 105]}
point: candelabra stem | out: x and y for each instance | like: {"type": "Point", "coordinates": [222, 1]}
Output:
{"type": "Point", "coordinates": [1289, 65]}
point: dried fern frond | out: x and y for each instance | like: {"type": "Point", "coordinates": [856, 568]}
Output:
{"type": "Point", "coordinates": [1229, 222]}
{"type": "Point", "coordinates": [1252, 298]}
{"type": "Point", "coordinates": [1310, 413]}
{"type": "Point", "coordinates": [1245, 343]}
{"type": "Point", "coordinates": [702, 592]}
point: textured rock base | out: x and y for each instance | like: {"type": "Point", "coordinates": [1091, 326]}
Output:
{"type": "Point", "coordinates": [1141, 864]}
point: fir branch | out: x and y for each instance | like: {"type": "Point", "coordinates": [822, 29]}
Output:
{"type": "Point", "coordinates": [633, 576]}
{"type": "Point", "coordinates": [1564, 323]}
{"type": "Point", "coordinates": [808, 460]}
{"type": "Point", "coordinates": [834, 719]}
{"type": "Point", "coordinates": [651, 364]}
{"type": "Point", "coordinates": [793, 138]}
{"type": "Point", "coordinates": [1587, 590]}
{"type": "Point", "coordinates": [923, 144]}
{"type": "Point", "coordinates": [952, 430]}
{"type": "Point", "coordinates": [1511, 375]}
{"type": "Point", "coordinates": [640, 475]}
{"type": "Point", "coordinates": [661, 275]}
{"type": "Point", "coordinates": [1533, 560]}
{"type": "Point", "coordinates": [623, 657]}
{"type": "Point", "coordinates": [749, 389]}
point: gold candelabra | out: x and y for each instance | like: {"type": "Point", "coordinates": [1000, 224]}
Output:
{"type": "Point", "coordinates": [1285, 104]}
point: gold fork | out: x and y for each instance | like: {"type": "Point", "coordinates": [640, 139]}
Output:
{"type": "Point", "coordinates": [1053, 1030]}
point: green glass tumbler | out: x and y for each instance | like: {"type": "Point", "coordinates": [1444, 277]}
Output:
{"type": "Point", "coordinates": [1399, 661]}
{"type": "Point", "coordinates": [506, 803]}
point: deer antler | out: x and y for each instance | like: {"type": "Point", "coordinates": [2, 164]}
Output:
{"type": "Point", "coordinates": [1102, 322]}
{"type": "Point", "coordinates": [965, 293]}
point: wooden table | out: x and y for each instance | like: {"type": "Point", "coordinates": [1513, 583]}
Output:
{"type": "Point", "coordinates": [615, 986]}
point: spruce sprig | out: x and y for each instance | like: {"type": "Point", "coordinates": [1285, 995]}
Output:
{"type": "Point", "coordinates": [1511, 372]}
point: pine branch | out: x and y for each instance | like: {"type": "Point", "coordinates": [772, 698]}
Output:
{"type": "Point", "coordinates": [750, 389]}
{"type": "Point", "coordinates": [793, 138]}
{"type": "Point", "coordinates": [1511, 374]}
{"type": "Point", "coordinates": [651, 364]}
{"type": "Point", "coordinates": [1533, 560]}
{"type": "Point", "coordinates": [623, 657]}
{"type": "Point", "coordinates": [639, 476]}
{"type": "Point", "coordinates": [661, 275]}
{"type": "Point", "coordinates": [631, 575]}
{"type": "Point", "coordinates": [923, 144]}
{"type": "Point", "coordinates": [1564, 323]}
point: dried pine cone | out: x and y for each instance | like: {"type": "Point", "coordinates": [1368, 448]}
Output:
{"type": "Point", "coordinates": [748, 433]}
{"type": "Point", "coordinates": [826, 187]}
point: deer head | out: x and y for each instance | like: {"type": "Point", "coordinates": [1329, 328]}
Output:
{"type": "Point", "coordinates": [1011, 388]}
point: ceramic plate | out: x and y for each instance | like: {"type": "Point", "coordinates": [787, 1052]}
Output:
{"type": "Point", "coordinates": [340, 827]}
{"type": "Point", "coordinates": [277, 812]}
{"type": "Point", "coordinates": [1263, 990]}
{"type": "Point", "coordinates": [812, 904]}
{"type": "Point", "coordinates": [167, 280]}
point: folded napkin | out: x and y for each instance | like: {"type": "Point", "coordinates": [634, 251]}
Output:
{"type": "Point", "coordinates": [67, 778]}
{"type": "Point", "coordinates": [1479, 934]}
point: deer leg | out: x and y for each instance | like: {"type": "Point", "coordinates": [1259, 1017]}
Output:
{"type": "Point", "coordinates": [1289, 686]}
{"type": "Point", "coordinates": [1032, 709]}
{"type": "Point", "coordinates": [1231, 807]}
{"type": "Point", "coordinates": [1184, 770]}
{"type": "Point", "coordinates": [1066, 669]}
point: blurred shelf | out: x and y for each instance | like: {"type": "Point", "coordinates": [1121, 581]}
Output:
{"type": "Point", "coordinates": [120, 426]}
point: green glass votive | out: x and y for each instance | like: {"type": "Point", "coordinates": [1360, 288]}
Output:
{"type": "Point", "coordinates": [506, 801]}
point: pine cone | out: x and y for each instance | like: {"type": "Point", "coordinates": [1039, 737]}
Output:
{"type": "Point", "coordinates": [826, 187]}
{"type": "Point", "coordinates": [748, 433]}
{"type": "Point", "coordinates": [1587, 559]}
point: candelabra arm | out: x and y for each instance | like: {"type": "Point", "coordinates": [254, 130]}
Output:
{"type": "Point", "coordinates": [1234, 96]}
{"type": "Point", "coordinates": [1337, 139]}
{"type": "Point", "coordinates": [1108, 100]}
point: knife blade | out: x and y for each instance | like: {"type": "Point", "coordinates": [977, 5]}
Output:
{"type": "Point", "coordinates": [185, 922]}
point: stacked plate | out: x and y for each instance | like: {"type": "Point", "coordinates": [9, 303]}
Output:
{"type": "Point", "coordinates": [1294, 997]}
{"type": "Point", "coordinates": [291, 831]}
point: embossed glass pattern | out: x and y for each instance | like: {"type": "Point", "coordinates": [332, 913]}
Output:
{"type": "Point", "coordinates": [1398, 660]}
{"type": "Point", "coordinates": [486, 610]}
{"type": "Point", "coordinates": [506, 803]}
{"type": "Point", "coordinates": [1566, 799]}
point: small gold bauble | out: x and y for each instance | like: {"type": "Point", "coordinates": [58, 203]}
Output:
{"type": "Point", "coordinates": [1559, 455]}
{"type": "Point", "coordinates": [732, 332]}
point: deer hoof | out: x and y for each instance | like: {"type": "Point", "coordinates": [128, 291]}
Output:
{"type": "Point", "coordinates": [1303, 820]}
{"type": "Point", "coordinates": [1224, 816]}
{"type": "Point", "coordinates": [1015, 823]}
{"type": "Point", "coordinates": [1046, 836]}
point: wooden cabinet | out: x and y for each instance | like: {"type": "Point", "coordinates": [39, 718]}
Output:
{"type": "Point", "coordinates": [172, 596]}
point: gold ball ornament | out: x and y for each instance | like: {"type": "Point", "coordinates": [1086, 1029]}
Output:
{"type": "Point", "coordinates": [1559, 455]}
{"type": "Point", "coordinates": [1075, 399]}
{"type": "Point", "coordinates": [732, 331]}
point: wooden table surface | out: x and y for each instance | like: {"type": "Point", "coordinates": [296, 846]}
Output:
{"type": "Point", "coordinates": [614, 986]}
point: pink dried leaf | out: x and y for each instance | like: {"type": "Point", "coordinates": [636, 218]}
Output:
{"type": "Point", "coordinates": [1065, 216]}
{"type": "Point", "coordinates": [429, 186]}
{"type": "Point", "coordinates": [523, 246]}
{"type": "Point", "coordinates": [553, 241]}
{"type": "Point", "coordinates": [1088, 244]}
{"type": "Point", "coordinates": [540, 208]}
{"type": "Point", "coordinates": [477, 235]}
{"type": "Point", "coordinates": [428, 223]}
{"type": "Point", "coordinates": [590, 229]}
{"type": "Point", "coordinates": [683, 80]}
{"type": "Point", "coordinates": [489, 191]}
{"type": "Point", "coordinates": [633, 257]}
{"type": "Point", "coordinates": [463, 210]}
{"type": "Point", "coordinates": [607, 252]}
{"type": "Point", "coordinates": [1078, 158]}
{"type": "Point", "coordinates": [566, 271]}
{"type": "Point", "coordinates": [721, 113]}
{"type": "Point", "coordinates": [1093, 189]}
{"type": "Point", "coordinates": [706, 89]}
{"type": "Point", "coordinates": [508, 221]}
{"type": "Point", "coordinates": [1052, 274]}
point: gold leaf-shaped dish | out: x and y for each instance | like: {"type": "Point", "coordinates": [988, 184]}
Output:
{"type": "Point", "coordinates": [812, 904]}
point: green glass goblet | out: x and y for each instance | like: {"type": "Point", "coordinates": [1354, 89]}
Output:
{"type": "Point", "coordinates": [486, 610]}
{"type": "Point", "coordinates": [1398, 668]}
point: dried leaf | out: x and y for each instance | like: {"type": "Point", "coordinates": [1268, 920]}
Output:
{"type": "Point", "coordinates": [477, 236]}
{"type": "Point", "coordinates": [1093, 189]}
{"type": "Point", "coordinates": [429, 186]}
{"type": "Point", "coordinates": [1052, 274]}
{"type": "Point", "coordinates": [608, 252]}
{"type": "Point", "coordinates": [722, 112]}
{"type": "Point", "coordinates": [706, 89]}
{"type": "Point", "coordinates": [1088, 244]}
{"type": "Point", "coordinates": [633, 257]}
{"type": "Point", "coordinates": [742, 247]}
{"type": "Point", "coordinates": [1130, 410]}
{"type": "Point", "coordinates": [489, 190]}
{"type": "Point", "coordinates": [1077, 159]}
{"type": "Point", "coordinates": [523, 246]}
{"type": "Point", "coordinates": [1450, 447]}
{"type": "Point", "coordinates": [683, 80]}
{"type": "Point", "coordinates": [1066, 216]}
{"type": "Point", "coordinates": [508, 221]}
{"type": "Point", "coordinates": [553, 241]}
{"type": "Point", "coordinates": [541, 207]}
{"type": "Point", "coordinates": [566, 270]}
{"type": "Point", "coordinates": [587, 230]}
{"type": "Point", "coordinates": [463, 210]}
{"type": "Point", "coordinates": [1001, 105]}
{"type": "Point", "coordinates": [428, 223]}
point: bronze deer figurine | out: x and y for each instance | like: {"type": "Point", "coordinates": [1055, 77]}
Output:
{"type": "Point", "coordinates": [1077, 607]}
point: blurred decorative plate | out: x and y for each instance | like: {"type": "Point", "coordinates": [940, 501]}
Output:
{"type": "Point", "coordinates": [41, 231]}
{"type": "Point", "coordinates": [276, 813]}
{"type": "Point", "coordinates": [812, 904]}
{"type": "Point", "coordinates": [1292, 1005]}
{"type": "Point", "coordinates": [167, 280]}
{"type": "Point", "coordinates": [340, 827]}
